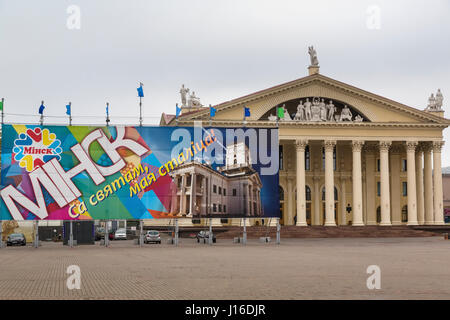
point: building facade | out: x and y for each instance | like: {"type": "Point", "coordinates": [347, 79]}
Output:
{"type": "Point", "coordinates": [230, 191]}
{"type": "Point", "coordinates": [347, 156]}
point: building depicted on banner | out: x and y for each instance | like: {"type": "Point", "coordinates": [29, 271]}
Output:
{"type": "Point", "coordinates": [347, 156]}
{"type": "Point", "coordinates": [233, 190]}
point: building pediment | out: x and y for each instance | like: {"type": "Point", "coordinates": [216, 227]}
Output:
{"type": "Point", "coordinates": [364, 106]}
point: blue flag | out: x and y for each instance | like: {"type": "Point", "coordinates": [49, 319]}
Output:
{"type": "Point", "coordinates": [212, 111]}
{"type": "Point", "coordinates": [246, 112]}
{"type": "Point", "coordinates": [178, 111]}
{"type": "Point", "coordinates": [68, 111]}
{"type": "Point", "coordinates": [41, 109]}
{"type": "Point", "coordinates": [107, 110]}
{"type": "Point", "coordinates": [140, 91]}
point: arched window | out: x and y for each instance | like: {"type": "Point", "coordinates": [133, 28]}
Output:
{"type": "Point", "coordinates": [281, 191]}
{"type": "Point", "coordinates": [335, 194]}
{"type": "Point", "coordinates": [405, 213]}
{"type": "Point", "coordinates": [308, 193]}
{"type": "Point", "coordinates": [379, 214]}
{"type": "Point", "coordinates": [307, 159]}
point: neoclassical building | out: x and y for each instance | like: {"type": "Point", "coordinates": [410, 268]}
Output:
{"type": "Point", "coordinates": [347, 156]}
{"type": "Point", "coordinates": [233, 190]}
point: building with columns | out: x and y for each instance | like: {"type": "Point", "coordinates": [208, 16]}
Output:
{"type": "Point", "coordinates": [347, 156]}
{"type": "Point", "coordinates": [230, 191]}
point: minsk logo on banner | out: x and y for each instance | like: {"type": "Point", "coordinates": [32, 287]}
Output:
{"type": "Point", "coordinates": [36, 147]}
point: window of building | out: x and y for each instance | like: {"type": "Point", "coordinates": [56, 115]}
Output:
{"type": "Point", "coordinates": [308, 193]}
{"type": "Point", "coordinates": [281, 157]}
{"type": "Point", "coordinates": [378, 188]}
{"type": "Point", "coordinates": [378, 214]}
{"type": "Point", "coordinates": [404, 165]}
{"type": "Point", "coordinates": [378, 165]}
{"type": "Point", "coordinates": [220, 208]}
{"type": "Point", "coordinates": [234, 192]}
{"type": "Point", "coordinates": [334, 158]}
{"type": "Point", "coordinates": [224, 208]}
{"type": "Point", "coordinates": [405, 214]}
{"type": "Point", "coordinates": [214, 207]}
{"type": "Point", "coordinates": [307, 159]}
{"type": "Point", "coordinates": [405, 188]}
{"type": "Point", "coordinates": [224, 220]}
{"type": "Point", "coordinates": [220, 190]}
{"type": "Point", "coordinates": [214, 188]}
{"type": "Point", "coordinates": [281, 191]}
{"type": "Point", "coordinates": [224, 191]}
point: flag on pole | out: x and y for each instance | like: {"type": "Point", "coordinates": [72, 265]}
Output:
{"type": "Point", "coordinates": [1, 105]}
{"type": "Point", "coordinates": [107, 109]}
{"type": "Point", "coordinates": [212, 111]}
{"type": "Point", "coordinates": [140, 91]}
{"type": "Point", "coordinates": [246, 112]}
{"type": "Point", "coordinates": [68, 110]}
{"type": "Point", "coordinates": [280, 112]}
{"type": "Point", "coordinates": [41, 108]}
{"type": "Point", "coordinates": [178, 111]}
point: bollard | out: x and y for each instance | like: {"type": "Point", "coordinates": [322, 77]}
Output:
{"type": "Point", "coordinates": [445, 236]}
{"type": "Point", "coordinates": [176, 232]}
{"type": "Point", "coordinates": [244, 236]}
{"type": "Point", "coordinates": [278, 231]}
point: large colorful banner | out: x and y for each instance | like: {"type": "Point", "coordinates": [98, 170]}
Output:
{"type": "Point", "coordinates": [84, 172]}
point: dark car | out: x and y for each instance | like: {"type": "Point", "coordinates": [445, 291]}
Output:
{"type": "Point", "coordinates": [16, 239]}
{"type": "Point", "coordinates": [205, 236]}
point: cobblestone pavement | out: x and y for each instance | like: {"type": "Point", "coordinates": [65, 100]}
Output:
{"type": "Point", "coordinates": [411, 268]}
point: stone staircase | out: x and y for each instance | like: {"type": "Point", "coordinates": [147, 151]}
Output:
{"type": "Point", "coordinates": [255, 232]}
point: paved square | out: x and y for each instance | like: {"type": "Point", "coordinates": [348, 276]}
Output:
{"type": "Point", "coordinates": [411, 268]}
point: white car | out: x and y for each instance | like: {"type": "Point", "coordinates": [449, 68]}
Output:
{"type": "Point", "coordinates": [120, 234]}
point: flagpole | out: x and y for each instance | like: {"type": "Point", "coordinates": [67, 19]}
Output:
{"type": "Point", "coordinates": [176, 116]}
{"type": "Point", "coordinates": [140, 106]}
{"type": "Point", "coordinates": [243, 119]}
{"type": "Point", "coordinates": [70, 114]}
{"type": "Point", "coordinates": [210, 121]}
{"type": "Point", "coordinates": [42, 114]}
{"type": "Point", "coordinates": [107, 114]}
{"type": "Point", "coordinates": [3, 105]}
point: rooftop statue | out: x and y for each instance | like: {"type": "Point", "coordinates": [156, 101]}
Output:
{"type": "Point", "coordinates": [313, 56]}
{"type": "Point", "coordinates": [183, 92]}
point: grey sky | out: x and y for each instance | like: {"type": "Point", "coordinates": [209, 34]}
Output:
{"type": "Point", "coordinates": [219, 49]}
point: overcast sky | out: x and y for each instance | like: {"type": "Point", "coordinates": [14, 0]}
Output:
{"type": "Point", "coordinates": [219, 49]}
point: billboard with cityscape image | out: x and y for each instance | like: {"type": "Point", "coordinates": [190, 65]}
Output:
{"type": "Point", "coordinates": [127, 172]}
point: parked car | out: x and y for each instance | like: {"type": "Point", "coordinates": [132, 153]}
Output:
{"type": "Point", "coordinates": [205, 236]}
{"type": "Point", "coordinates": [120, 234]}
{"type": "Point", "coordinates": [99, 233]}
{"type": "Point", "coordinates": [16, 239]}
{"type": "Point", "coordinates": [152, 236]}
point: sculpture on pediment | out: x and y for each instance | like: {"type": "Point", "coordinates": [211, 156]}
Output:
{"type": "Point", "coordinates": [194, 101]}
{"type": "Point", "coordinates": [431, 102]}
{"type": "Point", "coordinates": [358, 118]}
{"type": "Point", "coordinates": [313, 56]}
{"type": "Point", "coordinates": [439, 99]}
{"type": "Point", "coordinates": [315, 110]}
{"type": "Point", "coordinates": [346, 114]}
{"type": "Point", "coordinates": [300, 115]}
{"type": "Point", "coordinates": [183, 92]}
{"type": "Point", "coordinates": [272, 117]}
{"type": "Point", "coordinates": [323, 110]}
{"type": "Point", "coordinates": [307, 110]}
{"type": "Point", "coordinates": [331, 109]}
{"type": "Point", "coordinates": [286, 117]}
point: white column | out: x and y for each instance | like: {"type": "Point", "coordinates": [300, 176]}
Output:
{"type": "Point", "coordinates": [357, 184]}
{"type": "Point", "coordinates": [437, 179]}
{"type": "Point", "coordinates": [317, 201]}
{"type": "Point", "coordinates": [183, 195]}
{"type": "Point", "coordinates": [193, 195]}
{"type": "Point", "coordinates": [428, 192]}
{"type": "Point", "coordinates": [329, 183]}
{"type": "Point", "coordinates": [411, 185]}
{"type": "Point", "coordinates": [384, 181]}
{"type": "Point", "coordinates": [419, 187]}
{"type": "Point", "coordinates": [301, 193]}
